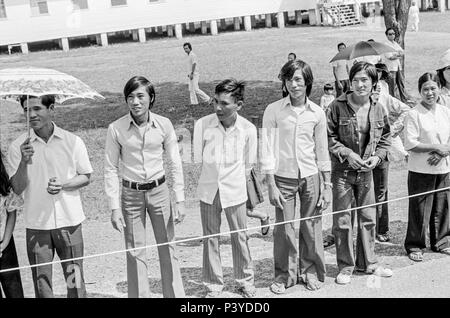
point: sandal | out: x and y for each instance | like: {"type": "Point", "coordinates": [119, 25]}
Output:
{"type": "Point", "coordinates": [265, 227]}
{"type": "Point", "coordinates": [446, 251]}
{"type": "Point", "coordinates": [312, 283]}
{"type": "Point", "coordinates": [328, 241]}
{"type": "Point", "coordinates": [416, 256]}
{"type": "Point", "coordinates": [277, 288]}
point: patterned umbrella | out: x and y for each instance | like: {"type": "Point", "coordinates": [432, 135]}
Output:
{"type": "Point", "coordinates": [15, 82]}
{"type": "Point", "coordinates": [362, 48]}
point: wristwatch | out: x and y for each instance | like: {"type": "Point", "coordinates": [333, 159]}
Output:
{"type": "Point", "coordinates": [328, 184]}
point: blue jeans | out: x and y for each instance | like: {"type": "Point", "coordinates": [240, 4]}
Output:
{"type": "Point", "coordinates": [349, 185]}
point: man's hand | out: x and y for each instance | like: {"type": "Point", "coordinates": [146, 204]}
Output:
{"type": "Point", "coordinates": [435, 158]}
{"type": "Point", "coordinates": [180, 212]}
{"type": "Point", "coordinates": [27, 151]}
{"type": "Point", "coordinates": [54, 186]}
{"type": "Point", "coordinates": [117, 220]}
{"type": "Point", "coordinates": [355, 161]}
{"type": "Point", "coordinates": [442, 150]}
{"type": "Point", "coordinates": [191, 76]}
{"type": "Point", "coordinates": [275, 197]}
{"type": "Point", "coordinates": [371, 163]}
{"type": "Point", "coordinates": [325, 198]}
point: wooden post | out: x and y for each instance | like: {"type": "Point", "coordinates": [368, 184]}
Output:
{"type": "Point", "coordinates": [178, 31]}
{"type": "Point", "coordinates": [65, 44]}
{"type": "Point", "coordinates": [237, 23]}
{"type": "Point", "coordinates": [247, 23]}
{"type": "Point", "coordinates": [204, 27]}
{"type": "Point", "coordinates": [280, 20]}
{"type": "Point", "coordinates": [141, 35]}
{"type": "Point", "coordinates": [298, 17]}
{"type": "Point", "coordinates": [214, 30]}
{"type": "Point", "coordinates": [268, 20]}
{"type": "Point", "coordinates": [104, 39]}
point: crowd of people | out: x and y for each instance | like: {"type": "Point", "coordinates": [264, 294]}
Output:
{"type": "Point", "coordinates": [327, 154]}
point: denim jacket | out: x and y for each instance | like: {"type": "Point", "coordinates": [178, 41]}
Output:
{"type": "Point", "coordinates": [343, 135]}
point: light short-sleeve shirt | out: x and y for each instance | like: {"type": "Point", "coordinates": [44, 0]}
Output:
{"type": "Point", "coordinates": [341, 69]}
{"type": "Point", "coordinates": [63, 156]}
{"type": "Point", "coordinates": [192, 59]}
{"type": "Point", "coordinates": [392, 65]}
{"type": "Point", "coordinates": [427, 127]}
{"type": "Point", "coordinates": [225, 156]}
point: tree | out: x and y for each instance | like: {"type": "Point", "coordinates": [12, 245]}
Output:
{"type": "Point", "coordinates": [396, 16]}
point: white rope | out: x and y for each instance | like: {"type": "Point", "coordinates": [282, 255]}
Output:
{"type": "Point", "coordinates": [218, 234]}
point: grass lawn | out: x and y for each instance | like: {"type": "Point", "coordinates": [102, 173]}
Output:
{"type": "Point", "coordinates": [254, 56]}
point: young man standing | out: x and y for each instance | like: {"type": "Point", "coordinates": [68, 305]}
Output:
{"type": "Point", "coordinates": [193, 76]}
{"type": "Point", "coordinates": [340, 72]}
{"type": "Point", "coordinates": [292, 165]}
{"type": "Point", "coordinates": [49, 168]}
{"type": "Point", "coordinates": [226, 145]}
{"type": "Point", "coordinates": [359, 139]}
{"type": "Point", "coordinates": [137, 143]}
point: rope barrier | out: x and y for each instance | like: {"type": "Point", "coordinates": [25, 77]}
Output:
{"type": "Point", "coordinates": [219, 234]}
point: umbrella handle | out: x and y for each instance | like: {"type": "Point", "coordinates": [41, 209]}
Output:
{"type": "Point", "coordinates": [28, 124]}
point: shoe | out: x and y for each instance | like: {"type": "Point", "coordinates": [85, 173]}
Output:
{"type": "Point", "coordinates": [213, 294]}
{"type": "Point", "coordinates": [383, 237]}
{"type": "Point", "coordinates": [383, 272]}
{"type": "Point", "coordinates": [343, 279]}
{"type": "Point", "coordinates": [277, 288]}
{"type": "Point", "coordinates": [246, 292]}
{"type": "Point", "coordinates": [446, 251]}
{"type": "Point", "coordinates": [312, 283]}
{"type": "Point", "coordinates": [328, 241]}
{"type": "Point", "coordinates": [265, 227]}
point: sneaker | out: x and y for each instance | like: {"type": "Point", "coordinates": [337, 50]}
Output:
{"type": "Point", "coordinates": [343, 279]}
{"type": "Point", "coordinates": [383, 272]}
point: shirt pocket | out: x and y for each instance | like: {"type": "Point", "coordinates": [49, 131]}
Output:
{"type": "Point", "coordinates": [345, 128]}
{"type": "Point", "coordinates": [377, 126]}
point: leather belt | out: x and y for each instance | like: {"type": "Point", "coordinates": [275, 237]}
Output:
{"type": "Point", "coordinates": [143, 186]}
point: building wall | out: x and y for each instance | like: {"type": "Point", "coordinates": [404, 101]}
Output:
{"type": "Point", "coordinates": [62, 21]}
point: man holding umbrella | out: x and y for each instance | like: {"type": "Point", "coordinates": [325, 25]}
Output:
{"type": "Point", "coordinates": [49, 166]}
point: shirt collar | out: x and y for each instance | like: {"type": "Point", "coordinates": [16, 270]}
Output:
{"type": "Point", "coordinates": [287, 102]}
{"type": "Point", "coordinates": [132, 123]}
{"type": "Point", "coordinates": [215, 123]}
{"type": "Point", "coordinates": [57, 132]}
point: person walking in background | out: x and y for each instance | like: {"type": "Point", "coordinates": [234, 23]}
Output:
{"type": "Point", "coordinates": [340, 72]}
{"type": "Point", "coordinates": [193, 74]}
{"type": "Point", "coordinates": [137, 142]}
{"type": "Point", "coordinates": [295, 152]}
{"type": "Point", "coordinates": [358, 138]}
{"type": "Point", "coordinates": [396, 111]}
{"type": "Point", "coordinates": [394, 65]}
{"type": "Point", "coordinates": [427, 138]}
{"type": "Point", "coordinates": [327, 97]}
{"type": "Point", "coordinates": [414, 16]}
{"type": "Point", "coordinates": [226, 146]}
{"type": "Point", "coordinates": [10, 282]}
{"type": "Point", "coordinates": [443, 73]}
{"type": "Point", "coordinates": [49, 168]}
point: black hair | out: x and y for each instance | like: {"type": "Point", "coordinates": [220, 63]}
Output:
{"type": "Point", "coordinates": [46, 100]}
{"type": "Point", "coordinates": [295, 56]}
{"type": "Point", "coordinates": [288, 70]}
{"type": "Point", "coordinates": [233, 87]}
{"type": "Point", "coordinates": [368, 68]}
{"type": "Point", "coordinates": [328, 87]}
{"type": "Point", "coordinates": [5, 185]}
{"type": "Point", "coordinates": [189, 45]}
{"type": "Point", "coordinates": [384, 71]}
{"type": "Point", "coordinates": [428, 76]}
{"type": "Point", "coordinates": [136, 82]}
{"type": "Point", "coordinates": [389, 29]}
{"type": "Point", "coordinates": [441, 78]}
{"type": "Point", "coordinates": [370, 40]}
{"type": "Point", "coordinates": [342, 43]}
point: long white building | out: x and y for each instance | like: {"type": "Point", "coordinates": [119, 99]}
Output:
{"type": "Point", "coordinates": [29, 21]}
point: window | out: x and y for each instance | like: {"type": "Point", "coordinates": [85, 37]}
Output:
{"type": "Point", "coordinates": [155, 1]}
{"type": "Point", "coordinates": [115, 3]}
{"type": "Point", "coordinates": [38, 7]}
{"type": "Point", "coordinates": [80, 4]}
{"type": "Point", "coordinates": [2, 9]}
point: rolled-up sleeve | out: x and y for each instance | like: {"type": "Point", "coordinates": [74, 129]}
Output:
{"type": "Point", "coordinates": [173, 154]}
{"type": "Point", "coordinates": [112, 155]}
{"type": "Point", "coordinates": [412, 131]}
{"type": "Point", "coordinates": [321, 143]}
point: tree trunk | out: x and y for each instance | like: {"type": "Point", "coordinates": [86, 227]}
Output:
{"type": "Point", "coordinates": [396, 17]}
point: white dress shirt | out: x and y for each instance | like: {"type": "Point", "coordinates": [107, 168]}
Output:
{"type": "Point", "coordinates": [141, 155]}
{"type": "Point", "coordinates": [427, 127]}
{"type": "Point", "coordinates": [63, 156]}
{"type": "Point", "coordinates": [293, 142]}
{"type": "Point", "coordinates": [225, 155]}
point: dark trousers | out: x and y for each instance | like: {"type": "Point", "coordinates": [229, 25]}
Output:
{"type": "Point", "coordinates": [380, 184]}
{"type": "Point", "coordinates": [41, 247]}
{"type": "Point", "coordinates": [349, 185]}
{"type": "Point", "coordinates": [345, 87]}
{"type": "Point", "coordinates": [310, 246]}
{"type": "Point", "coordinates": [428, 210]}
{"type": "Point", "coordinates": [10, 282]}
{"type": "Point", "coordinates": [396, 78]}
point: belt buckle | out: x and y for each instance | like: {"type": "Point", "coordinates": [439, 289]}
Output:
{"type": "Point", "coordinates": [137, 186]}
